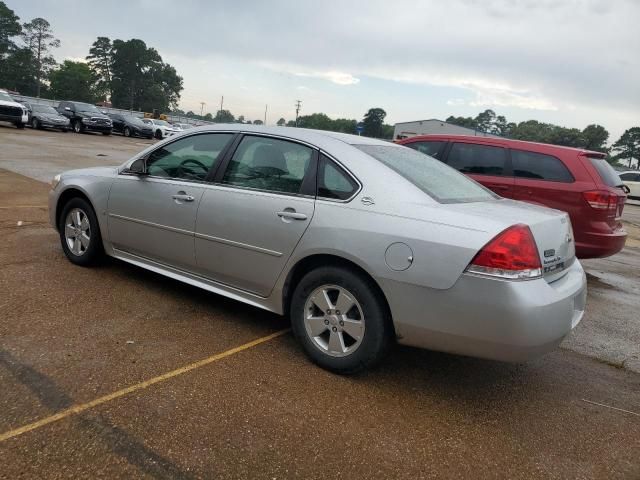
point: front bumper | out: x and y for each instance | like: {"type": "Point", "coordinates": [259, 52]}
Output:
{"type": "Point", "coordinates": [24, 118]}
{"type": "Point", "coordinates": [500, 320]}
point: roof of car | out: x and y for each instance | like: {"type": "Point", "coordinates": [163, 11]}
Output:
{"type": "Point", "coordinates": [315, 137]}
{"type": "Point", "coordinates": [504, 141]}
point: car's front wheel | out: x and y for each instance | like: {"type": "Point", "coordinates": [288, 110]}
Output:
{"type": "Point", "coordinates": [35, 124]}
{"type": "Point", "coordinates": [158, 134]}
{"type": "Point", "coordinates": [80, 233]}
{"type": "Point", "coordinates": [127, 132]}
{"type": "Point", "coordinates": [340, 320]}
{"type": "Point", "coordinates": [19, 125]}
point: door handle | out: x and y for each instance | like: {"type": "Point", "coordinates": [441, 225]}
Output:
{"type": "Point", "coordinates": [292, 214]}
{"type": "Point", "coordinates": [183, 197]}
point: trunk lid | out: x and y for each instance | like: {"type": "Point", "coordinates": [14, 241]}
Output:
{"type": "Point", "coordinates": [551, 229]}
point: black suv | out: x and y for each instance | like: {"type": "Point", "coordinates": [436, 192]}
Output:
{"type": "Point", "coordinates": [129, 125]}
{"type": "Point", "coordinates": [85, 117]}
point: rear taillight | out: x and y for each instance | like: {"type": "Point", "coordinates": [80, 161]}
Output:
{"type": "Point", "coordinates": [601, 200]}
{"type": "Point", "coordinates": [512, 255]}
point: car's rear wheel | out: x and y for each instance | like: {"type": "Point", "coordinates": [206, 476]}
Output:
{"type": "Point", "coordinates": [340, 320]}
{"type": "Point", "coordinates": [35, 124]}
{"type": "Point", "coordinates": [158, 134]}
{"type": "Point", "coordinates": [77, 127]}
{"type": "Point", "coordinates": [19, 125]}
{"type": "Point", "coordinates": [127, 132]}
{"type": "Point", "coordinates": [80, 233]}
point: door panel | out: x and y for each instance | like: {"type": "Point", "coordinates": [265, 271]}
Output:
{"type": "Point", "coordinates": [244, 238]}
{"type": "Point", "coordinates": [154, 218]}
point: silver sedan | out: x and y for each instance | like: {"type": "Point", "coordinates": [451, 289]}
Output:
{"type": "Point", "coordinates": [360, 242]}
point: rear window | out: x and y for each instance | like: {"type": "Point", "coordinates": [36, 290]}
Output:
{"type": "Point", "coordinates": [608, 175]}
{"type": "Point", "coordinates": [538, 166]}
{"type": "Point", "coordinates": [439, 181]}
{"type": "Point", "coordinates": [478, 159]}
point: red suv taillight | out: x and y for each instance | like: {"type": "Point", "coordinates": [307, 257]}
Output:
{"type": "Point", "coordinates": [601, 200]}
{"type": "Point", "coordinates": [512, 255]}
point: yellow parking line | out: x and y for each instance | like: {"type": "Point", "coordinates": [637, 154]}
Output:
{"type": "Point", "coordinates": [138, 386]}
{"type": "Point", "coordinates": [23, 206]}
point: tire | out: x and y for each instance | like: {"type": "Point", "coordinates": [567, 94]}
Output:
{"type": "Point", "coordinates": [35, 124]}
{"type": "Point", "coordinates": [158, 134]}
{"type": "Point", "coordinates": [106, 134]}
{"type": "Point", "coordinates": [65, 130]}
{"type": "Point", "coordinates": [19, 125]}
{"type": "Point", "coordinates": [127, 132]}
{"type": "Point", "coordinates": [368, 317]}
{"type": "Point", "coordinates": [77, 126]}
{"type": "Point", "coordinates": [78, 252]}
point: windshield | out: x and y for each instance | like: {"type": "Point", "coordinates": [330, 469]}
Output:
{"type": "Point", "coordinates": [5, 97]}
{"type": "Point", "coordinates": [439, 181]}
{"type": "Point", "coordinates": [162, 123]}
{"type": "Point", "coordinates": [85, 107]}
{"type": "Point", "coordinates": [135, 120]}
{"type": "Point", "coordinates": [43, 109]}
{"type": "Point", "coordinates": [608, 175]}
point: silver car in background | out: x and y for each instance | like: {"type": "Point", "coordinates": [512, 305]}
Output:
{"type": "Point", "coordinates": [360, 242]}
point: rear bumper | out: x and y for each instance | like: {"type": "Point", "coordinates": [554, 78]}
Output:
{"type": "Point", "coordinates": [500, 320]}
{"type": "Point", "coordinates": [600, 244]}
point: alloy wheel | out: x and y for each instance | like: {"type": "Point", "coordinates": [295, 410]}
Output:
{"type": "Point", "coordinates": [334, 320]}
{"type": "Point", "coordinates": [77, 231]}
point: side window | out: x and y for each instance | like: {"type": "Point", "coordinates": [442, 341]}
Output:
{"type": "Point", "coordinates": [539, 166]}
{"type": "Point", "coordinates": [333, 181]}
{"type": "Point", "coordinates": [431, 148]}
{"type": "Point", "coordinates": [268, 164]}
{"type": "Point", "coordinates": [189, 158]}
{"type": "Point", "coordinates": [630, 177]}
{"type": "Point", "coordinates": [480, 159]}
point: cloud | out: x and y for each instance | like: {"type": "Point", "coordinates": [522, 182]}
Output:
{"type": "Point", "coordinates": [456, 102]}
{"type": "Point", "coordinates": [339, 78]}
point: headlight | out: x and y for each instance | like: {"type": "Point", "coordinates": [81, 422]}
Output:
{"type": "Point", "coordinates": [55, 181]}
{"type": "Point", "coordinates": [86, 120]}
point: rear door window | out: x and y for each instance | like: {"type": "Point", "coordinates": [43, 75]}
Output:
{"type": "Point", "coordinates": [608, 175]}
{"type": "Point", "coordinates": [630, 177]}
{"type": "Point", "coordinates": [431, 148]}
{"type": "Point", "coordinates": [538, 166]}
{"type": "Point", "coordinates": [478, 159]}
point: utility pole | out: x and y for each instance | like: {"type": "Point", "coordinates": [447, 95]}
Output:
{"type": "Point", "coordinates": [298, 106]}
{"type": "Point", "coordinates": [221, 102]}
{"type": "Point", "coordinates": [265, 114]}
{"type": "Point", "coordinates": [202, 104]}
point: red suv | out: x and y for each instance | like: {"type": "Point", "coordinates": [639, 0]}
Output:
{"type": "Point", "coordinates": [580, 182]}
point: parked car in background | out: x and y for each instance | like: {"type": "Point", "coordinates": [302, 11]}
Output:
{"type": "Point", "coordinates": [12, 111]}
{"type": "Point", "coordinates": [45, 116]}
{"type": "Point", "coordinates": [183, 126]}
{"type": "Point", "coordinates": [85, 117]}
{"type": "Point", "coordinates": [579, 182]}
{"type": "Point", "coordinates": [129, 126]}
{"type": "Point", "coordinates": [360, 241]}
{"type": "Point", "coordinates": [161, 128]}
{"type": "Point", "coordinates": [632, 180]}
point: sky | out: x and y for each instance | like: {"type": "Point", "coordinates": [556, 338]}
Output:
{"type": "Point", "coordinates": [568, 62]}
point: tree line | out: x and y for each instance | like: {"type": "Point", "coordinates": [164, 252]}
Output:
{"type": "Point", "coordinates": [127, 72]}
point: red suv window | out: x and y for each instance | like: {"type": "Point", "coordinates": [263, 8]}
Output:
{"type": "Point", "coordinates": [539, 166]}
{"type": "Point", "coordinates": [478, 159]}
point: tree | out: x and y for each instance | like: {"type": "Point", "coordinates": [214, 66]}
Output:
{"type": "Point", "coordinates": [9, 28]}
{"type": "Point", "coordinates": [595, 138]}
{"type": "Point", "coordinates": [373, 121]}
{"type": "Point", "coordinates": [466, 122]}
{"type": "Point", "coordinates": [240, 119]}
{"type": "Point", "coordinates": [208, 117]}
{"type": "Point", "coordinates": [72, 80]}
{"type": "Point", "coordinates": [281, 122]}
{"type": "Point", "coordinates": [485, 120]}
{"type": "Point", "coordinates": [39, 39]}
{"type": "Point", "coordinates": [140, 80]}
{"type": "Point", "coordinates": [99, 59]}
{"type": "Point", "coordinates": [257, 122]}
{"type": "Point", "coordinates": [291, 123]}
{"type": "Point", "coordinates": [628, 146]}
{"type": "Point", "coordinates": [224, 116]}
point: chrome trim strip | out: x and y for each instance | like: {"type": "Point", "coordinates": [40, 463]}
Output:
{"type": "Point", "coordinates": [224, 241]}
{"type": "Point", "coordinates": [151, 224]}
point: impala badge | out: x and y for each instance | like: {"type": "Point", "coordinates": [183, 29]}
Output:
{"type": "Point", "coordinates": [549, 253]}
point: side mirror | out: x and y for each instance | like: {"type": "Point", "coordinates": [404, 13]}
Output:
{"type": "Point", "coordinates": [138, 167]}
